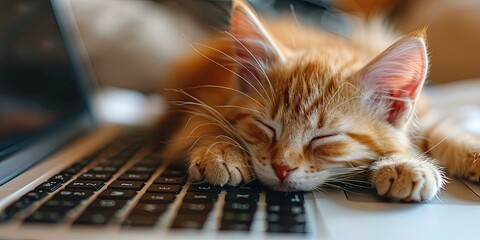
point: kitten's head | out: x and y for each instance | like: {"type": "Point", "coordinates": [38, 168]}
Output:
{"type": "Point", "coordinates": [314, 116]}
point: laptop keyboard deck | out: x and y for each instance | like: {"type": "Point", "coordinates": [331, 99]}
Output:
{"type": "Point", "coordinates": [127, 184]}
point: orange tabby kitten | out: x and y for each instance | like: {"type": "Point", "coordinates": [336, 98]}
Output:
{"type": "Point", "coordinates": [296, 107]}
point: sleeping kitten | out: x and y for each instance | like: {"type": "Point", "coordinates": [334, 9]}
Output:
{"type": "Point", "coordinates": [299, 107]}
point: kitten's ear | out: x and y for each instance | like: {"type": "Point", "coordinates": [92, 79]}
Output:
{"type": "Point", "coordinates": [394, 79]}
{"type": "Point", "coordinates": [254, 47]}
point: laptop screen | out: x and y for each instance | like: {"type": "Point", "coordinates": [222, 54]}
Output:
{"type": "Point", "coordinates": [38, 85]}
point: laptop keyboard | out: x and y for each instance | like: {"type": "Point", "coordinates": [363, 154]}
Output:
{"type": "Point", "coordinates": [126, 184]}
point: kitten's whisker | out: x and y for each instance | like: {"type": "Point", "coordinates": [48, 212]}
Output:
{"type": "Point", "coordinates": [256, 60]}
{"type": "Point", "coordinates": [241, 64]}
{"type": "Point", "coordinates": [188, 121]}
{"type": "Point", "coordinates": [436, 145]}
{"type": "Point", "coordinates": [196, 141]}
{"type": "Point", "coordinates": [292, 9]}
{"type": "Point", "coordinates": [177, 139]}
{"type": "Point", "coordinates": [348, 100]}
{"type": "Point", "coordinates": [338, 90]}
{"type": "Point", "coordinates": [239, 107]}
{"type": "Point", "coordinates": [225, 142]}
{"type": "Point", "coordinates": [226, 88]}
{"type": "Point", "coordinates": [237, 143]}
{"type": "Point", "coordinates": [213, 144]}
{"type": "Point", "coordinates": [236, 74]}
{"type": "Point", "coordinates": [320, 190]}
{"type": "Point", "coordinates": [199, 126]}
{"type": "Point", "coordinates": [212, 111]}
{"type": "Point", "coordinates": [220, 123]}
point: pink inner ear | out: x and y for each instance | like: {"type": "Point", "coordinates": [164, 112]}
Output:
{"type": "Point", "coordinates": [397, 75]}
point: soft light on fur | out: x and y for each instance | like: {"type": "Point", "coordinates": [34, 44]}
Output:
{"type": "Point", "coordinates": [298, 108]}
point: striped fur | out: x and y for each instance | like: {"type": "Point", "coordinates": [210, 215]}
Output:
{"type": "Point", "coordinates": [310, 108]}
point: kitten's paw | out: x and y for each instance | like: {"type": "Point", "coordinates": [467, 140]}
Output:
{"type": "Point", "coordinates": [472, 171]}
{"type": "Point", "coordinates": [219, 163]}
{"type": "Point", "coordinates": [400, 178]}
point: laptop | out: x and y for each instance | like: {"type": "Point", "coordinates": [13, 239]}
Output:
{"type": "Point", "coordinates": [64, 176]}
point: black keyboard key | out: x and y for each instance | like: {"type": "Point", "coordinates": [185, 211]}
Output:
{"type": "Point", "coordinates": [45, 217]}
{"type": "Point", "coordinates": [240, 207]}
{"type": "Point", "coordinates": [58, 205]}
{"type": "Point", "coordinates": [66, 174]}
{"type": "Point", "coordinates": [286, 219]}
{"type": "Point", "coordinates": [79, 165]}
{"type": "Point", "coordinates": [199, 197]}
{"type": "Point", "coordinates": [284, 197]}
{"type": "Point", "coordinates": [134, 177]}
{"type": "Point", "coordinates": [147, 164]}
{"type": "Point", "coordinates": [150, 161]}
{"type": "Point", "coordinates": [195, 208]}
{"type": "Point", "coordinates": [241, 197]}
{"type": "Point", "coordinates": [61, 177]}
{"type": "Point", "coordinates": [72, 170]}
{"type": "Point", "coordinates": [92, 217]}
{"type": "Point", "coordinates": [253, 186]}
{"type": "Point", "coordinates": [128, 185]}
{"type": "Point", "coordinates": [170, 180]}
{"type": "Point", "coordinates": [281, 228]}
{"type": "Point", "coordinates": [73, 194]}
{"type": "Point", "coordinates": [18, 206]}
{"type": "Point", "coordinates": [188, 221]}
{"type": "Point", "coordinates": [88, 159]}
{"type": "Point", "coordinates": [117, 163]}
{"type": "Point", "coordinates": [49, 186]}
{"type": "Point", "coordinates": [204, 188]}
{"type": "Point", "coordinates": [235, 226]}
{"type": "Point", "coordinates": [157, 198]}
{"type": "Point", "coordinates": [35, 195]}
{"type": "Point", "coordinates": [141, 220]}
{"type": "Point", "coordinates": [95, 176]}
{"type": "Point", "coordinates": [285, 209]}
{"type": "Point", "coordinates": [87, 185]}
{"type": "Point", "coordinates": [163, 188]}
{"type": "Point", "coordinates": [125, 154]}
{"type": "Point", "coordinates": [107, 204]}
{"type": "Point", "coordinates": [238, 217]}
{"type": "Point", "coordinates": [141, 169]}
{"type": "Point", "coordinates": [173, 173]}
{"type": "Point", "coordinates": [149, 209]}
{"type": "Point", "coordinates": [117, 194]}
{"type": "Point", "coordinates": [105, 169]}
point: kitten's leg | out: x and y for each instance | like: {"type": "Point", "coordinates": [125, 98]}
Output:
{"type": "Point", "coordinates": [406, 177]}
{"type": "Point", "coordinates": [219, 161]}
{"type": "Point", "coordinates": [456, 149]}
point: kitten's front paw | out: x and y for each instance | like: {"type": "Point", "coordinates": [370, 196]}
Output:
{"type": "Point", "coordinates": [400, 178]}
{"type": "Point", "coordinates": [219, 163]}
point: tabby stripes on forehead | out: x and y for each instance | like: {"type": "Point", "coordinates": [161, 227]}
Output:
{"type": "Point", "coordinates": [367, 141]}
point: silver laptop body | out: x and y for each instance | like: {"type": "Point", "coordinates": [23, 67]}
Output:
{"type": "Point", "coordinates": [61, 136]}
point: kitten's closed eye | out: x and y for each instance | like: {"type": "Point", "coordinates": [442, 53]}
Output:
{"type": "Point", "coordinates": [255, 131]}
{"type": "Point", "coordinates": [323, 139]}
{"type": "Point", "coordinates": [266, 128]}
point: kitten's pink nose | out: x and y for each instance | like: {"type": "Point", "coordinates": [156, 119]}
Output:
{"type": "Point", "coordinates": [282, 171]}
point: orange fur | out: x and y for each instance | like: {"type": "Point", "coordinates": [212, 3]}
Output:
{"type": "Point", "coordinates": [304, 105]}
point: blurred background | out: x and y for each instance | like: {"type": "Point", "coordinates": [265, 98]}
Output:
{"type": "Point", "coordinates": [129, 41]}
{"type": "Point", "coordinates": [132, 44]}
